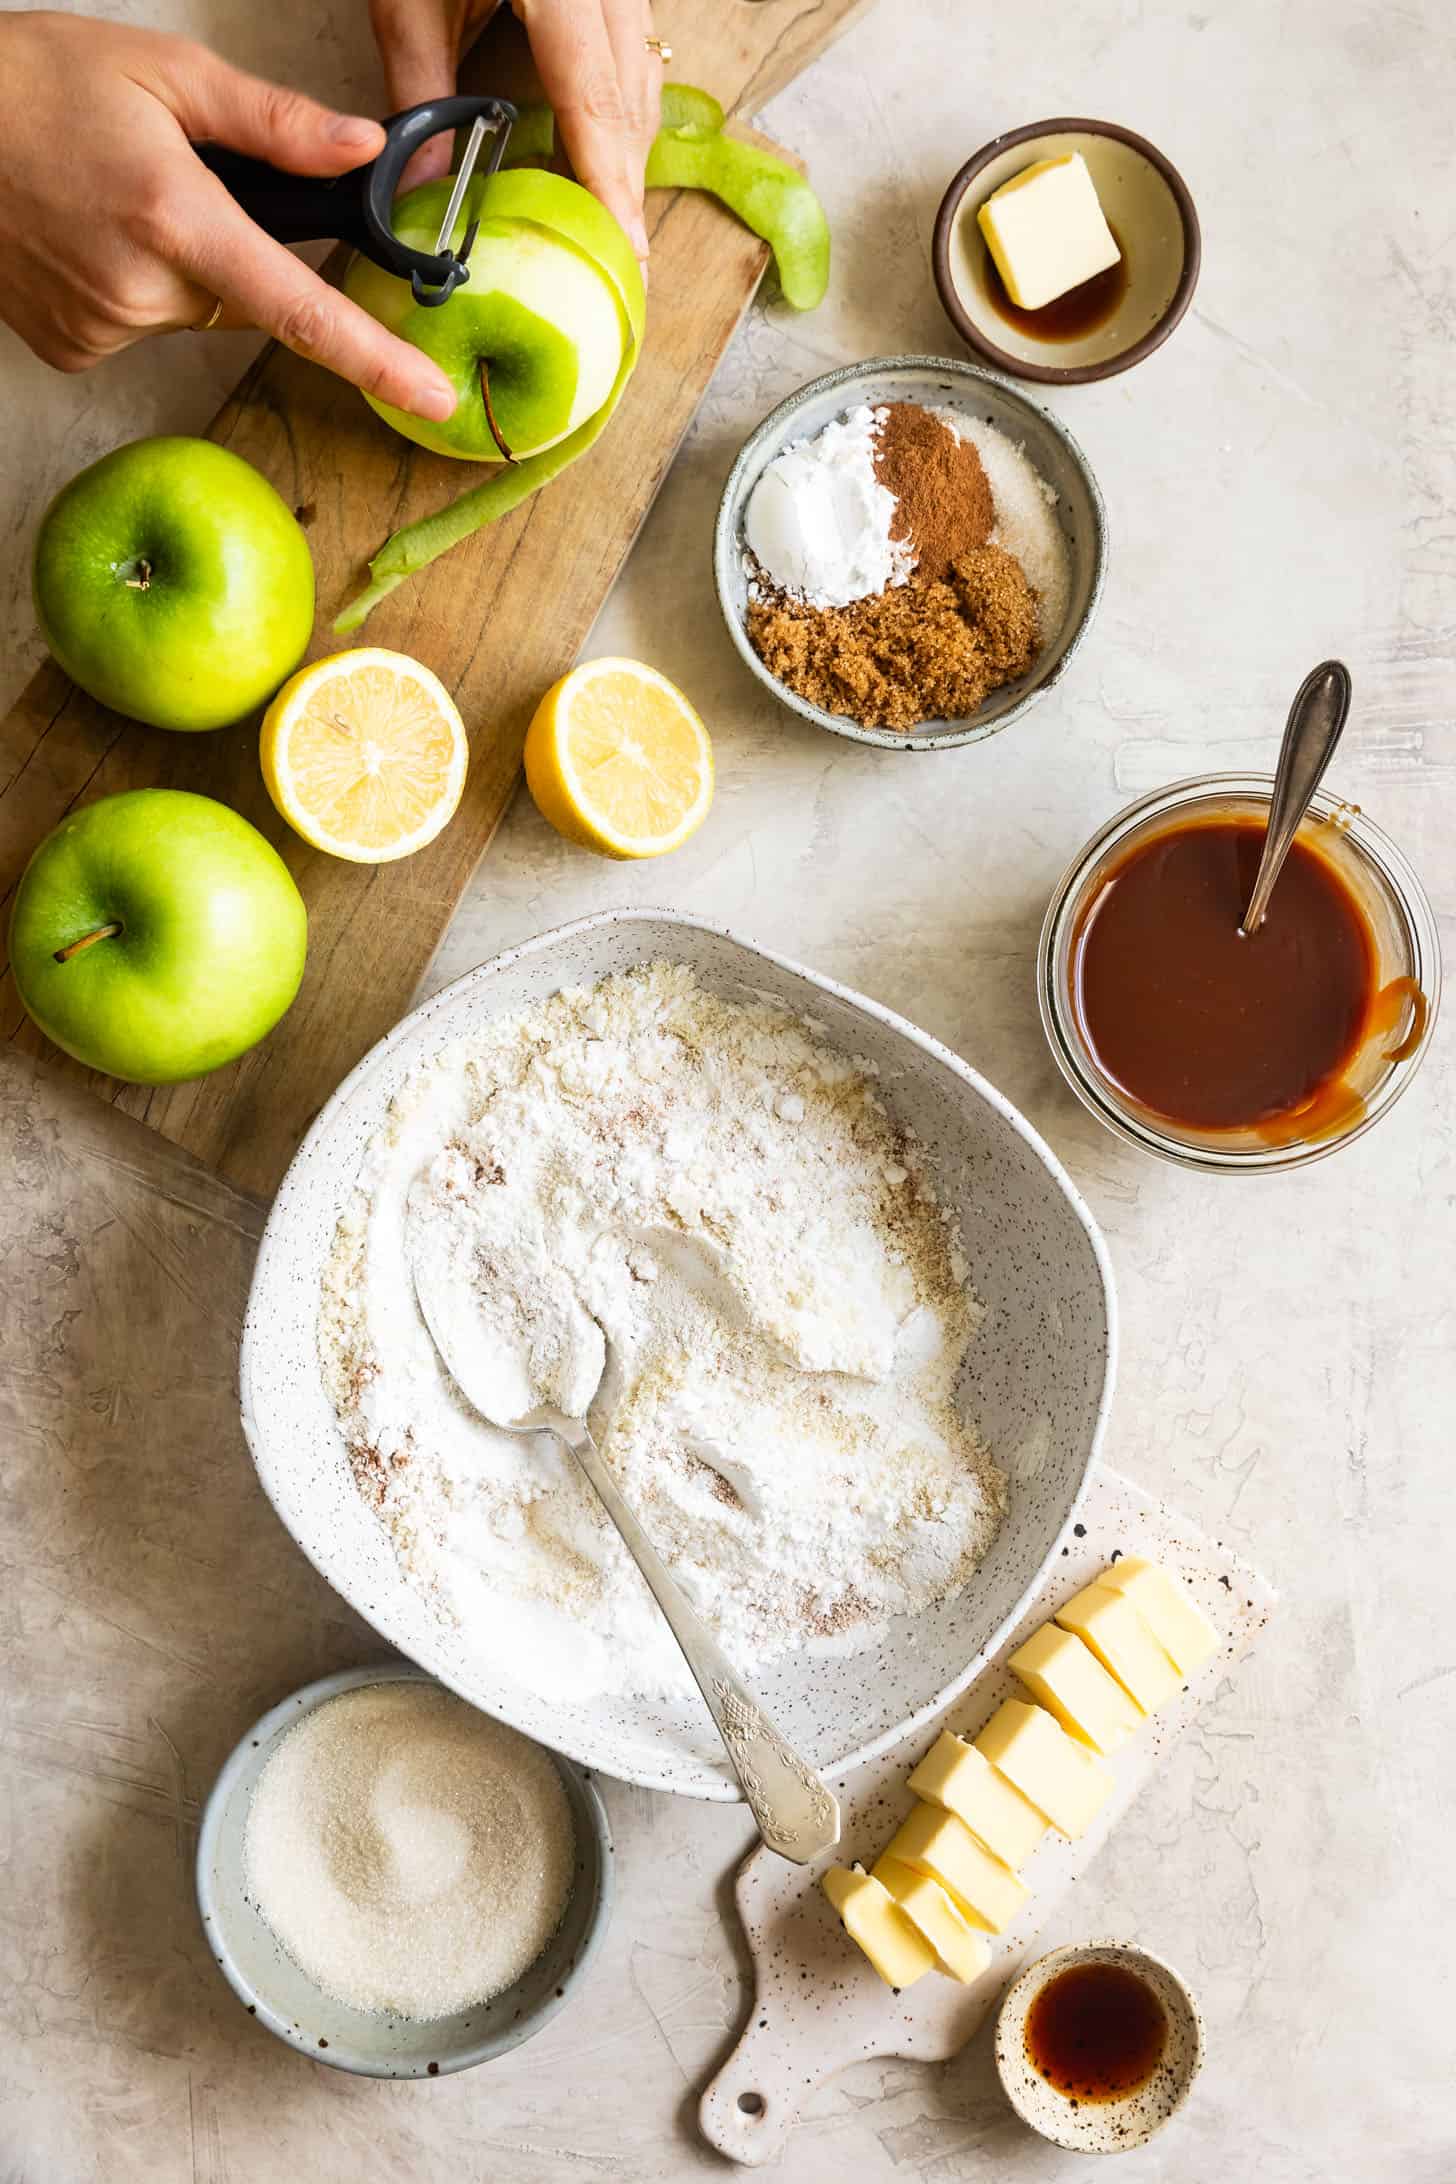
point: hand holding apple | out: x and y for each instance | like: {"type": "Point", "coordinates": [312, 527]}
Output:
{"type": "Point", "coordinates": [156, 935]}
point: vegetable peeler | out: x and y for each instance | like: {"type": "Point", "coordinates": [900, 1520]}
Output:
{"type": "Point", "coordinates": [355, 207]}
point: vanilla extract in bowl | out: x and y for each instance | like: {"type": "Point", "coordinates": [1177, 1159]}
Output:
{"type": "Point", "coordinates": [1096, 2031]}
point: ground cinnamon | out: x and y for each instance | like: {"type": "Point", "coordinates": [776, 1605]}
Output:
{"type": "Point", "coordinates": [944, 505]}
{"type": "Point", "coordinates": [924, 651]}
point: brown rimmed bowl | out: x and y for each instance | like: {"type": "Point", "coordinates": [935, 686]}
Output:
{"type": "Point", "coordinates": [1150, 210]}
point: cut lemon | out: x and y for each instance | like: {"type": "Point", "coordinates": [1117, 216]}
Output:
{"type": "Point", "coordinates": [365, 754]}
{"type": "Point", "coordinates": [618, 760]}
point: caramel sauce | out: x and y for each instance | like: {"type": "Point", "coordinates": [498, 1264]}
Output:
{"type": "Point", "coordinates": [1066, 318]}
{"type": "Point", "coordinates": [1096, 2032]}
{"type": "Point", "coordinates": [1215, 1030]}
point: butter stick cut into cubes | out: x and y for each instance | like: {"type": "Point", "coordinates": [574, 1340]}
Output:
{"type": "Point", "coordinates": [1067, 1678]}
{"type": "Point", "coordinates": [981, 1888]}
{"type": "Point", "coordinates": [1047, 232]}
{"type": "Point", "coordinates": [955, 1775]}
{"type": "Point", "coordinates": [960, 1951]}
{"type": "Point", "coordinates": [1178, 1623]}
{"type": "Point", "coordinates": [1122, 1642]}
{"type": "Point", "coordinates": [894, 1945]}
{"type": "Point", "coordinates": [1060, 1776]}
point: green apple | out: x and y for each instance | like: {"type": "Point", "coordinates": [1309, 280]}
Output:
{"type": "Point", "coordinates": [535, 341]}
{"type": "Point", "coordinates": [156, 935]}
{"type": "Point", "coordinates": [173, 584]}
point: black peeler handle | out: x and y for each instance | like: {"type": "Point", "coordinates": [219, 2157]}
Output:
{"type": "Point", "coordinates": [355, 207]}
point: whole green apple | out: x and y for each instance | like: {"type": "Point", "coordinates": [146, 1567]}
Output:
{"type": "Point", "coordinates": [535, 341]}
{"type": "Point", "coordinates": [173, 584]}
{"type": "Point", "coordinates": [156, 935]}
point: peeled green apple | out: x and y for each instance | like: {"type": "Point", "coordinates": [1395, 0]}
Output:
{"type": "Point", "coordinates": [173, 584]}
{"type": "Point", "coordinates": [536, 340]}
{"type": "Point", "coordinates": [156, 935]}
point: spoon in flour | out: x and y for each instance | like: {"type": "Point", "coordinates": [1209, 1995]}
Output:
{"type": "Point", "coordinates": [797, 1816]}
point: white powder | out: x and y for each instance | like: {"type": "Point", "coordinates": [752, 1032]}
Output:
{"type": "Point", "coordinates": [411, 1854]}
{"type": "Point", "coordinates": [1026, 520]}
{"type": "Point", "coordinates": [785, 1311]}
{"type": "Point", "coordinates": [818, 520]}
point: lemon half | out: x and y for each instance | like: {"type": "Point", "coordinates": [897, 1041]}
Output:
{"type": "Point", "coordinates": [365, 754]}
{"type": "Point", "coordinates": [617, 760]}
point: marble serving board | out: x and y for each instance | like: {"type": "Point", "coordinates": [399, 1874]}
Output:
{"type": "Point", "coordinates": [817, 2004]}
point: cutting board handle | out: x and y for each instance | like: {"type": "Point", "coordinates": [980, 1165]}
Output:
{"type": "Point", "coordinates": [749, 2108]}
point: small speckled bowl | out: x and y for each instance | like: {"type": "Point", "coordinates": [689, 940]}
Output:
{"type": "Point", "coordinates": [1149, 209]}
{"type": "Point", "coordinates": [1100, 2127]}
{"type": "Point", "coordinates": [933, 381]}
{"type": "Point", "coordinates": [281, 1995]}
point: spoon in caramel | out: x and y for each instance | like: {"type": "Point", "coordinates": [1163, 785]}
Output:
{"type": "Point", "coordinates": [1315, 724]}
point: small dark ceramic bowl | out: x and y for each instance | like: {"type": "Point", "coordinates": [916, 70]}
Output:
{"type": "Point", "coordinates": [1149, 208]}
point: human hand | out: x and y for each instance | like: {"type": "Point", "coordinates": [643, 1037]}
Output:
{"type": "Point", "coordinates": [111, 228]}
{"type": "Point", "coordinates": [597, 71]}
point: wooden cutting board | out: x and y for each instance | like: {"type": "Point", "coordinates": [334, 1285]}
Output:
{"type": "Point", "coordinates": [497, 619]}
{"type": "Point", "coordinates": [817, 2005]}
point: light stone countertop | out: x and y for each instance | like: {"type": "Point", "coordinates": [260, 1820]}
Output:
{"type": "Point", "coordinates": [1280, 485]}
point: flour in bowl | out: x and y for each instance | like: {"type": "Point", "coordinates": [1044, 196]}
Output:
{"type": "Point", "coordinates": [708, 1196]}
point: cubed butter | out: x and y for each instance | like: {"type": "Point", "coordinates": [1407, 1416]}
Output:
{"type": "Point", "coordinates": [982, 1889]}
{"type": "Point", "coordinates": [1060, 1776]}
{"type": "Point", "coordinates": [1177, 1622]}
{"type": "Point", "coordinates": [893, 1943]}
{"type": "Point", "coordinates": [959, 1949]}
{"type": "Point", "coordinates": [955, 1775]}
{"type": "Point", "coordinates": [1070, 1682]}
{"type": "Point", "coordinates": [1046, 231]}
{"type": "Point", "coordinates": [1122, 1642]}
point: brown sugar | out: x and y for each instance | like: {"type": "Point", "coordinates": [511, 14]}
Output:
{"type": "Point", "coordinates": [943, 499]}
{"type": "Point", "coordinates": [924, 651]}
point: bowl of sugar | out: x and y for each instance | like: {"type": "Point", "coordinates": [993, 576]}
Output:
{"type": "Point", "coordinates": [909, 552]}
{"type": "Point", "coordinates": [397, 1884]}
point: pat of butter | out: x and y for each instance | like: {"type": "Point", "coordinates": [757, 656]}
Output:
{"type": "Point", "coordinates": [1047, 232]}
{"type": "Point", "coordinates": [1060, 1776]}
{"type": "Point", "coordinates": [981, 1888]}
{"type": "Point", "coordinates": [894, 1945]}
{"type": "Point", "coordinates": [958, 1777]}
{"type": "Point", "coordinates": [1070, 1682]}
{"type": "Point", "coordinates": [959, 1950]}
{"type": "Point", "coordinates": [1178, 1623]}
{"type": "Point", "coordinates": [1122, 1642]}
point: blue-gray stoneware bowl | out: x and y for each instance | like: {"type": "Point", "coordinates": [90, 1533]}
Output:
{"type": "Point", "coordinates": [934, 381]}
{"type": "Point", "coordinates": [280, 1994]}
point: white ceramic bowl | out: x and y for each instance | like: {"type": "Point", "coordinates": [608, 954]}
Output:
{"type": "Point", "coordinates": [281, 1995]}
{"type": "Point", "coordinates": [933, 381]}
{"type": "Point", "coordinates": [1039, 1376]}
{"type": "Point", "coordinates": [1100, 2127]}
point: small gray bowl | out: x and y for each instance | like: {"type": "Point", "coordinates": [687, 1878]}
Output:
{"type": "Point", "coordinates": [929, 380]}
{"type": "Point", "coordinates": [1100, 2127]}
{"type": "Point", "coordinates": [281, 1995]}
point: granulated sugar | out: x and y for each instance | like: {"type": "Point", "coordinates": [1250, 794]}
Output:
{"type": "Point", "coordinates": [1026, 515]}
{"type": "Point", "coordinates": [411, 1854]}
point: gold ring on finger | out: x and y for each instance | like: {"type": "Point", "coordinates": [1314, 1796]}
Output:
{"type": "Point", "coordinates": [205, 326]}
{"type": "Point", "coordinates": [661, 48]}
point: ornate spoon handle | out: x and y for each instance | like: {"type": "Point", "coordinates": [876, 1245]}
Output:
{"type": "Point", "coordinates": [797, 1816]}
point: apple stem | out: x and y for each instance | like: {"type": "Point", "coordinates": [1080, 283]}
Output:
{"type": "Point", "coordinates": [140, 578]}
{"type": "Point", "coordinates": [495, 431]}
{"type": "Point", "coordinates": [87, 940]}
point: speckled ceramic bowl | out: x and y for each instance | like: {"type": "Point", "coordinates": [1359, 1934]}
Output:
{"type": "Point", "coordinates": [1100, 2127]}
{"type": "Point", "coordinates": [281, 1995]}
{"type": "Point", "coordinates": [931, 380]}
{"type": "Point", "coordinates": [1151, 212]}
{"type": "Point", "coordinates": [1038, 1379]}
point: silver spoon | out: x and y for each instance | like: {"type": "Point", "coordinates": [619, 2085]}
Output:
{"type": "Point", "coordinates": [797, 1816]}
{"type": "Point", "coordinates": [1316, 721]}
